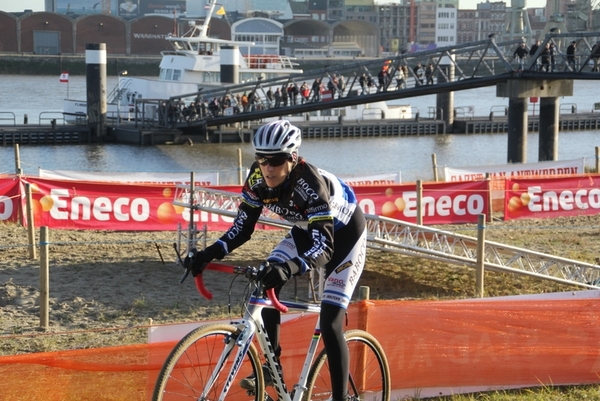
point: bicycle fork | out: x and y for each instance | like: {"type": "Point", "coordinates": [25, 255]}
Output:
{"type": "Point", "coordinates": [275, 368]}
{"type": "Point", "coordinates": [241, 338]}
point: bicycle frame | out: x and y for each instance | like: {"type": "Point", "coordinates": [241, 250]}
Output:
{"type": "Point", "coordinates": [250, 326]}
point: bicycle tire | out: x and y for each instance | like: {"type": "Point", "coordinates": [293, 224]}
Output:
{"type": "Point", "coordinates": [368, 369]}
{"type": "Point", "coordinates": [188, 367]}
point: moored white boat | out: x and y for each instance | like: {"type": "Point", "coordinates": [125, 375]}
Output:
{"type": "Point", "coordinates": [195, 62]}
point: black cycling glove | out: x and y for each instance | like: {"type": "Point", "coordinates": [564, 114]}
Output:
{"type": "Point", "coordinates": [200, 259]}
{"type": "Point", "coordinates": [275, 275]}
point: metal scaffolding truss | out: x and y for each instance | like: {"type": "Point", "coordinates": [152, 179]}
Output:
{"type": "Point", "coordinates": [420, 241]}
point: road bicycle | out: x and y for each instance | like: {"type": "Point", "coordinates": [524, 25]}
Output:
{"type": "Point", "coordinates": [209, 363]}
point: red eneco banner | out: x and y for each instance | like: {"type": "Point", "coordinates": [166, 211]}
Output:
{"type": "Point", "coordinates": [70, 204]}
{"type": "Point", "coordinates": [552, 197]}
{"type": "Point", "coordinates": [443, 203]}
{"type": "Point", "coordinates": [9, 199]}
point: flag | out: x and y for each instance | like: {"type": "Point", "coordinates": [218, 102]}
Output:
{"type": "Point", "coordinates": [64, 77]}
{"type": "Point", "coordinates": [221, 11]}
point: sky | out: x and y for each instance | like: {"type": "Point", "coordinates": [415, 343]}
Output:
{"type": "Point", "coordinates": [38, 5]}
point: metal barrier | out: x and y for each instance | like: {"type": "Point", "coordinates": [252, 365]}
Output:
{"type": "Point", "coordinates": [52, 119]}
{"type": "Point", "coordinates": [13, 118]}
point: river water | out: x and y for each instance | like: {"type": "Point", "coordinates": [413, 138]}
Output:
{"type": "Point", "coordinates": [41, 96]}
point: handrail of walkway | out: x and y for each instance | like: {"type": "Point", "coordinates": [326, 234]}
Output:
{"type": "Point", "coordinates": [466, 66]}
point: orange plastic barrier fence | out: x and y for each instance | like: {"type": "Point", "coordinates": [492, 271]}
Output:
{"type": "Point", "coordinates": [434, 347]}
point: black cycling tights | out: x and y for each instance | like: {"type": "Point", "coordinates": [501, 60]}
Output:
{"type": "Point", "coordinates": [332, 324]}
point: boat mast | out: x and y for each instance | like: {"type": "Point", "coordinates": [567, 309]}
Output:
{"type": "Point", "coordinates": [204, 28]}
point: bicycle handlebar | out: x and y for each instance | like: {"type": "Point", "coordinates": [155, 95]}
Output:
{"type": "Point", "coordinates": [250, 272]}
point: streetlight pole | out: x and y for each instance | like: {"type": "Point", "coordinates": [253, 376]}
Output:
{"type": "Point", "coordinates": [119, 95]}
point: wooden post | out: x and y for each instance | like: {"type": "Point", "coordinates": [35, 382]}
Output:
{"type": "Point", "coordinates": [364, 293]}
{"type": "Point", "coordinates": [419, 202]}
{"type": "Point", "coordinates": [479, 275]}
{"type": "Point", "coordinates": [240, 168]}
{"type": "Point", "coordinates": [18, 170]}
{"type": "Point", "coordinates": [191, 225]}
{"type": "Point", "coordinates": [488, 178]}
{"type": "Point", "coordinates": [30, 223]}
{"type": "Point", "coordinates": [44, 278]}
{"type": "Point", "coordinates": [435, 170]}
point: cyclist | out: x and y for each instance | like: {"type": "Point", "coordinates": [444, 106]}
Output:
{"type": "Point", "coordinates": [334, 236]}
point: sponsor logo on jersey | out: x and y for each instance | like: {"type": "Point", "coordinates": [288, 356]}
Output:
{"type": "Point", "coordinates": [343, 267]}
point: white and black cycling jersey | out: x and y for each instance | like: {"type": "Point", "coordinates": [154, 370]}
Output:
{"type": "Point", "coordinates": [311, 197]}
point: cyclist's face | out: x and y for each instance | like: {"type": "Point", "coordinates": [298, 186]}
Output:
{"type": "Point", "coordinates": [275, 176]}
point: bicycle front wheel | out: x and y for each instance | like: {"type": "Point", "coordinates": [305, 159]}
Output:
{"type": "Point", "coordinates": [186, 373]}
{"type": "Point", "coordinates": [369, 372]}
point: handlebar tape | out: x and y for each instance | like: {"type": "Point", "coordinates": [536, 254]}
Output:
{"type": "Point", "coordinates": [276, 304]}
{"type": "Point", "coordinates": [201, 288]}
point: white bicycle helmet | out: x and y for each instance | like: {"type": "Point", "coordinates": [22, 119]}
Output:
{"type": "Point", "coordinates": [277, 138]}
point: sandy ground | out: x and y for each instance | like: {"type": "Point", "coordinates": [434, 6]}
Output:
{"type": "Point", "coordinates": [104, 284]}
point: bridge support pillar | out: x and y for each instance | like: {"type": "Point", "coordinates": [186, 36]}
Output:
{"type": "Point", "coordinates": [445, 101]}
{"type": "Point", "coordinates": [517, 130]}
{"type": "Point", "coordinates": [95, 61]}
{"type": "Point", "coordinates": [518, 91]}
{"type": "Point", "coordinates": [549, 123]}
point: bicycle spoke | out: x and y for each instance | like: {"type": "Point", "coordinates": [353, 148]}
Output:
{"type": "Point", "coordinates": [187, 373]}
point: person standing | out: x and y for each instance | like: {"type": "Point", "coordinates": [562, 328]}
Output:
{"type": "Point", "coordinates": [418, 71]}
{"type": "Point", "coordinates": [545, 58]}
{"type": "Point", "coordinates": [552, 51]}
{"type": "Point", "coordinates": [596, 57]}
{"type": "Point", "coordinates": [362, 81]}
{"type": "Point", "coordinates": [277, 96]}
{"type": "Point", "coordinates": [400, 78]}
{"type": "Point", "coordinates": [333, 237]}
{"type": "Point", "coordinates": [316, 90]}
{"type": "Point", "coordinates": [571, 55]}
{"type": "Point", "coordinates": [520, 54]}
{"type": "Point", "coordinates": [534, 48]}
{"type": "Point", "coordinates": [429, 74]}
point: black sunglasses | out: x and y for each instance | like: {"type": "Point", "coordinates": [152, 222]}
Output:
{"type": "Point", "coordinates": [275, 161]}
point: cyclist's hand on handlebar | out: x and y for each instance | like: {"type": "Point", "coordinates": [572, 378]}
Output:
{"type": "Point", "coordinates": [197, 260]}
{"type": "Point", "coordinates": [274, 275]}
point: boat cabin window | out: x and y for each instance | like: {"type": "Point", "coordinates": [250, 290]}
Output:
{"type": "Point", "coordinates": [178, 45]}
{"type": "Point", "coordinates": [169, 74]}
{"type": "Point", "coordinates": [206, 48]}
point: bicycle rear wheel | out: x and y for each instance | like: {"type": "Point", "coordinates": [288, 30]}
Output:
{"type": "Point", "coordinates": [186, 373]}
{"type": "Point", "coordinates": [368, 369]}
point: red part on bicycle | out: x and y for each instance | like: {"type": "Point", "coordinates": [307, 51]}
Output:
{"type": "Point", "coordinates": [201, 288]}
{"type": "Point", "coordinates": [278, 305]}
{"type": "Point", "coordinates": [219, 267]}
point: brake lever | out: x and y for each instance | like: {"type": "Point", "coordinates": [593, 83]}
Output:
{"type": "Point", "coordinates": [198, 279]}
{"type": "Point", "coordinates": [182, 263]}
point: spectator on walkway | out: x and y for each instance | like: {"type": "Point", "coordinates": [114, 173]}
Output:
{"type": "Point", "coordinates": [545, 58]}
{"type": "Point", "coordinates": [596, 57]}
{"type": "Point", "coordinates": [571, 55]}
{"type": "Point", "coordinates": [520, 53]}
{"type": "Point", "coordinates": [341, 85]}
{"type": "Point", "coordinates": [534, 48]}
{"type": "Point", "coordinates": [552, 57]}
{"type": "Point", "coordinates": [245, 102]}
{"type": "Point", "coordinates": [400, 78]}
{"type": "Point", "coordinates": [418, 71]}
{"type": "Point", "coordinates": [362, 81]}
{"type": "Point", "coordinates": [429, 74]}
{"type": "Point", "coordinates": [316, 90]}
{"type": "Point", "coordinates": [304, 92]}
{"type": "Point", "coordinates": [277, 96]}
{"type": "Point", "coordinates": [382, 78]}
